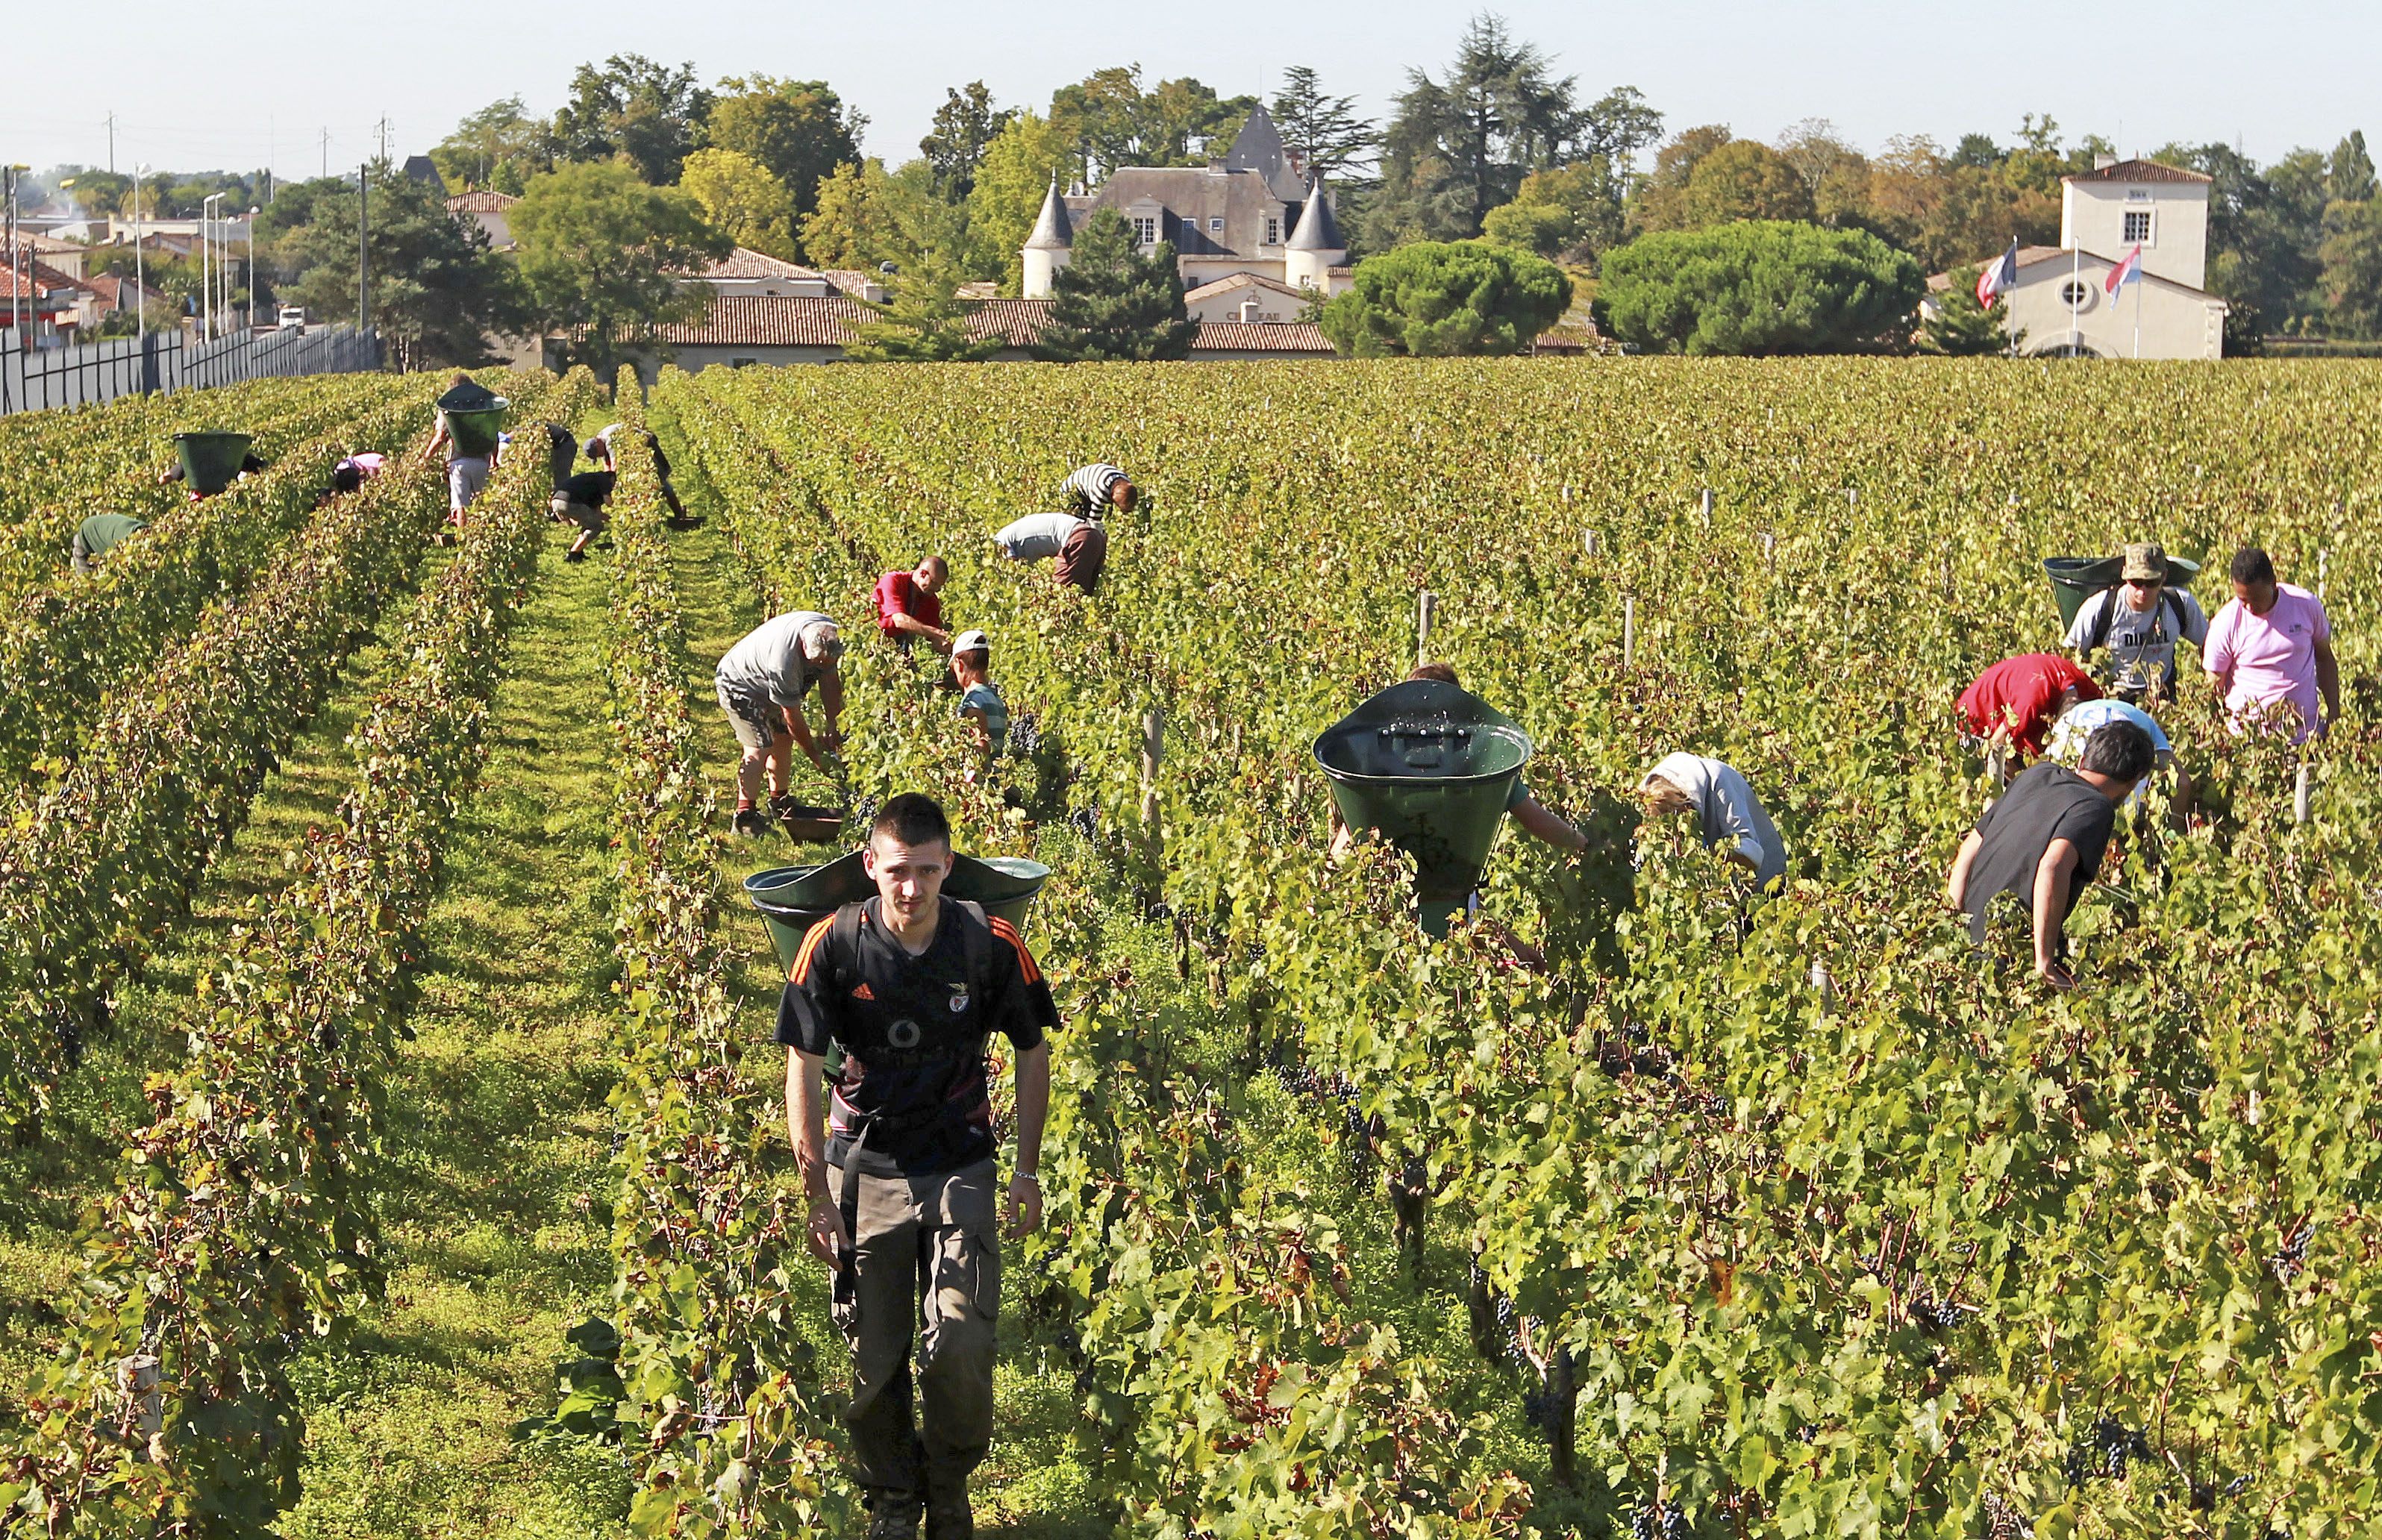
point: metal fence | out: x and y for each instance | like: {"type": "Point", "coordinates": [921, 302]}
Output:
{"type": "Point", "coordinates": [38, 378]}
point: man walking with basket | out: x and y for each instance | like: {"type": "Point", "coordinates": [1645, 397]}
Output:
{"type": "Point", "coordinates": [899, 1162]}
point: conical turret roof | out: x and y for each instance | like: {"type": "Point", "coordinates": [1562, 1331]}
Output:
{"type": "Point", "coordinates": [1317, 231]}
{"type": "Point", "coordinates": [1052, 232]}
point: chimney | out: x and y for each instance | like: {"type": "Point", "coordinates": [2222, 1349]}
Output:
{"type": "Point", "coordinates": [1215, 165]}
{"type": "Point", "coordinates": [2102, 162]}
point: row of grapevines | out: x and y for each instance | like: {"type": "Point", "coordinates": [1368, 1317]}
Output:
{"type": "Point", "coordinates": [245, 1226]}
{"type": "Point", "coordinates": [1845, 1252]}
{"type": "Point", "coordinates": [69, 648]}
{"type": "Point", "coordinates": [95, 864]}
{"type": "Point", "coordinates": [730, 1431]}
{"type": "Point", "coordinates": [1203, 1309]}
{"type": "Point", "coordinates": [58, 468]}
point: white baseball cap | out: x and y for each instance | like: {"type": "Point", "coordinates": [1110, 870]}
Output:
{"type": "Point", "coordinates": [971, 641]}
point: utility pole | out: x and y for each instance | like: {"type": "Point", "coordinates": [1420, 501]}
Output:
{"type": "Point", "coordinates": [364, 258]}
{"type": "Point", "coordinates": [111, 144]}
{"type": "Point", "coordinates": [327, 153]}
{"type": "Point", "coordinates": [382, 129]}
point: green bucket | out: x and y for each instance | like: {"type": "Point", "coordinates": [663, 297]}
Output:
{"type": "Point", "coordinates": [474, 433]}
{"type": "Point", "coordinates": [2077, 578]}
{"type": "Point", "coordinates": [210, 461]}
{"type": "Point", "coordinates": [1431, 766]}
{"type": "Point", "coordinates": [794, 898]}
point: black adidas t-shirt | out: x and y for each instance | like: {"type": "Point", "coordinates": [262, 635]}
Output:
{"type": "Point", "coordinates": [913, 1031]}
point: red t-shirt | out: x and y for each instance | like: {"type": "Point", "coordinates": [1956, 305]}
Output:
{"type": "Point", "coordinates": [899, 593]}
{"type": "Point", "coordinates": [2021, 692]}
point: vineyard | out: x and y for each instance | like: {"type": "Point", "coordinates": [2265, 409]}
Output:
{"type": "Point", "coordinates": [398, 1142]}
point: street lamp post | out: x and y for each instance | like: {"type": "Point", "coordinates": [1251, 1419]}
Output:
{"type": "Point", "coordinates": [206, 268]}
{"type": "Point", "coordinates": [140, 262]}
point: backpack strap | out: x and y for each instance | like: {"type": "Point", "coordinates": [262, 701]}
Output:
{"type": "Point", "coordinates": [2100, 633]}
{"type": "Point", "coordinates": [843, 941]}
{"type": "Point", "coordinates": [975, 933]}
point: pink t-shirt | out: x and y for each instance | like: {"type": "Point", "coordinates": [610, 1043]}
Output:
{"type": "Point", "coordinates": [2271, 656]}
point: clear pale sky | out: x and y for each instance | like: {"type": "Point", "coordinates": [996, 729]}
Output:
{"type": "Point", "coordinates": [234, 85]}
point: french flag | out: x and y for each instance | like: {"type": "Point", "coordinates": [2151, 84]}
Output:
{"type": "Point", "coordinates": [2000, 275]}
{"type": "Point", "coordinates": [2127, 271]}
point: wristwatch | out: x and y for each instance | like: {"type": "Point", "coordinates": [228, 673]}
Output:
{"type": "Point", "coordinates": [1034, 1177]}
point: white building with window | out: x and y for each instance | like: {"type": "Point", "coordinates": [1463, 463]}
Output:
{"type": "Point", "coordinates": [1252, 211]}
{"type": "Point", "coordinates": [2061, 299]}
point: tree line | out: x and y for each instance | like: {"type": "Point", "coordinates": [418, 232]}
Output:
{"type": "Point", "coordinates": [1494, 145]}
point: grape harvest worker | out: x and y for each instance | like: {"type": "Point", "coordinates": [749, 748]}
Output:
{"type": "Point", "coordinates": [561, 452]}
{"type": "Point", "coordinates": [2139, 622]}
{"type": "Point", "coordinates": [467, 475]}
{"type": "Point", "coordinates": [249, 466]}
{"type": "Point", "coordinates": [2270, 652]}
{"type": "Point", "coordinates": [1728, 816]}
{"type": "Point", "coordinates": [910, 607]}
{"type": "Point", "coordinates": [99, 534]}
{"type": "Point", "coordinates": [2079, 723]}
{"type": "Point", "coordinates": [1536, 820]}
{"type": "Point", "coordinates": [761, 683]}
{"type": "Point", "coordinates": [599, 449]}
{"type": "Point", "coordinates": [352, 474]}
{"type": "Point", "coordinates": [579, 501]}
{"type": "Point", "coordinates": [2017, 700]}
{"type": "Point", "coordinates": [980, 705]}
{"type": "Point", "coordinates": [1091, 490]}
{"type": "Point", "coordinates": [899, 1162]}
{"type": "Point", "coordinates": [2043, 840]}
{"type": "Point", "coordinates": [1080, 542]}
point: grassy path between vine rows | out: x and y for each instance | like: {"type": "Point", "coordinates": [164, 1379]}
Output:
{"type": "Point", "coordinates": [1033, 1487]}
{"type": "Point", "coordinates": [50, 1181]}
{"type": "Point", "coordinates": [498, 1139]}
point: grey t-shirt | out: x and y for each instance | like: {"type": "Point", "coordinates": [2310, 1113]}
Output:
{"type": "Point", "coordinates": [1037, 536]}
{"type": "Point", "coordinates": [2140, 642]}
{"type": "Point", "coordinates": [768, 662]}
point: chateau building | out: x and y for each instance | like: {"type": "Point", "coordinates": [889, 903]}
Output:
{"type": "Point", "coordinates": [2061, 301]}
{"type": "Point", "coordinates": [1254, 211]}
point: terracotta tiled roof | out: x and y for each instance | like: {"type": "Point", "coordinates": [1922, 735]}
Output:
{"type": "Point", "coordinates": [481, 203]}
{"type": "Point", "coordinates": [117, 293]}
{"type": "Point", "coordinates": [38, 275]}
{"type": "Point", "coordinates": [37, 242]}
{"type": "Point", "coordinates": [982, 288]}
{"type": "Point", "coordinates": [2139, 171]}
{"type": "Point", "coordinates": [1259, 336]}
{"type": "Point", "coordinates": [2026, 257]}
{"type": "Point", "coordinates": [852, 280]}
{"type": "Point", "coordinates": [774, 321]}
{"type": "Point", "coordinates": [746, 262]}
{"type": "Point", "coordinates": [1018, 323]}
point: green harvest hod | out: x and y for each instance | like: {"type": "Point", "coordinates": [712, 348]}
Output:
{"type": "Point", "coordinates": [210, 461]}
{"type": "Point", "coordinates": [1431, 766]}
{"type": "Point", "coordinates": [794, 898]}
{"type": "Point", "coordinates": [2077, 578]}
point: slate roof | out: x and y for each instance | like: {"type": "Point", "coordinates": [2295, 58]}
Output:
{"type": "Point", "coordinates": [1317, 231]}
{"type": "Point", "coordinates": [2139, 171]}
{"type": "Point", "coordinates": [1052, 232]}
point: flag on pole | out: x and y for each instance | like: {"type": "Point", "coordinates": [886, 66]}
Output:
{"type": "Point", "coordinates": [2127, 271]}
{"type": "Point", "coordinates": [1997, 276]}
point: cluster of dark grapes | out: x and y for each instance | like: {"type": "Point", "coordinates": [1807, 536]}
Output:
{"type": "Point", "coordinates": [1502, 1343]}
{"type": "Point", "coordinates": [2288, 1263]}
{"type": "Point", "coordinates": [1083, 822]}
{"type": "Point", "coordinates": [1665, 1521]}
{"type": "Point", "coordinates": [865, 814]}
{"type": "Point", "coordinates": [2005, 1522]}
{"type": "Point", "coordinates": [1357, 1129]}
{"type": "Point", "coordinates": [2113, 1444]}
{"type": "Point", "coordinates": [1024, 733]}
{"type": "Point", "coordinates": [1944, 1316]}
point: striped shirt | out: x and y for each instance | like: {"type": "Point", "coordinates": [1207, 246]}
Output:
{"type": "Point", "coordinates": [1091, 487]}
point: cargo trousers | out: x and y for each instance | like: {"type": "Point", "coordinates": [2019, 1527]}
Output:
{"type": "Point", "coordinates": [926, 1273]}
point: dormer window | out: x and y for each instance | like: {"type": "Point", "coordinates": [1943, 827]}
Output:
{"type": "Point", "coordinates": [1144, 229]}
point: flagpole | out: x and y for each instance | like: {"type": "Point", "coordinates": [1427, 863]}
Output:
{"type": "Point", "coordinates": [2138, 315]}
{"type": "Point", "coordinates": [2075, 293]}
